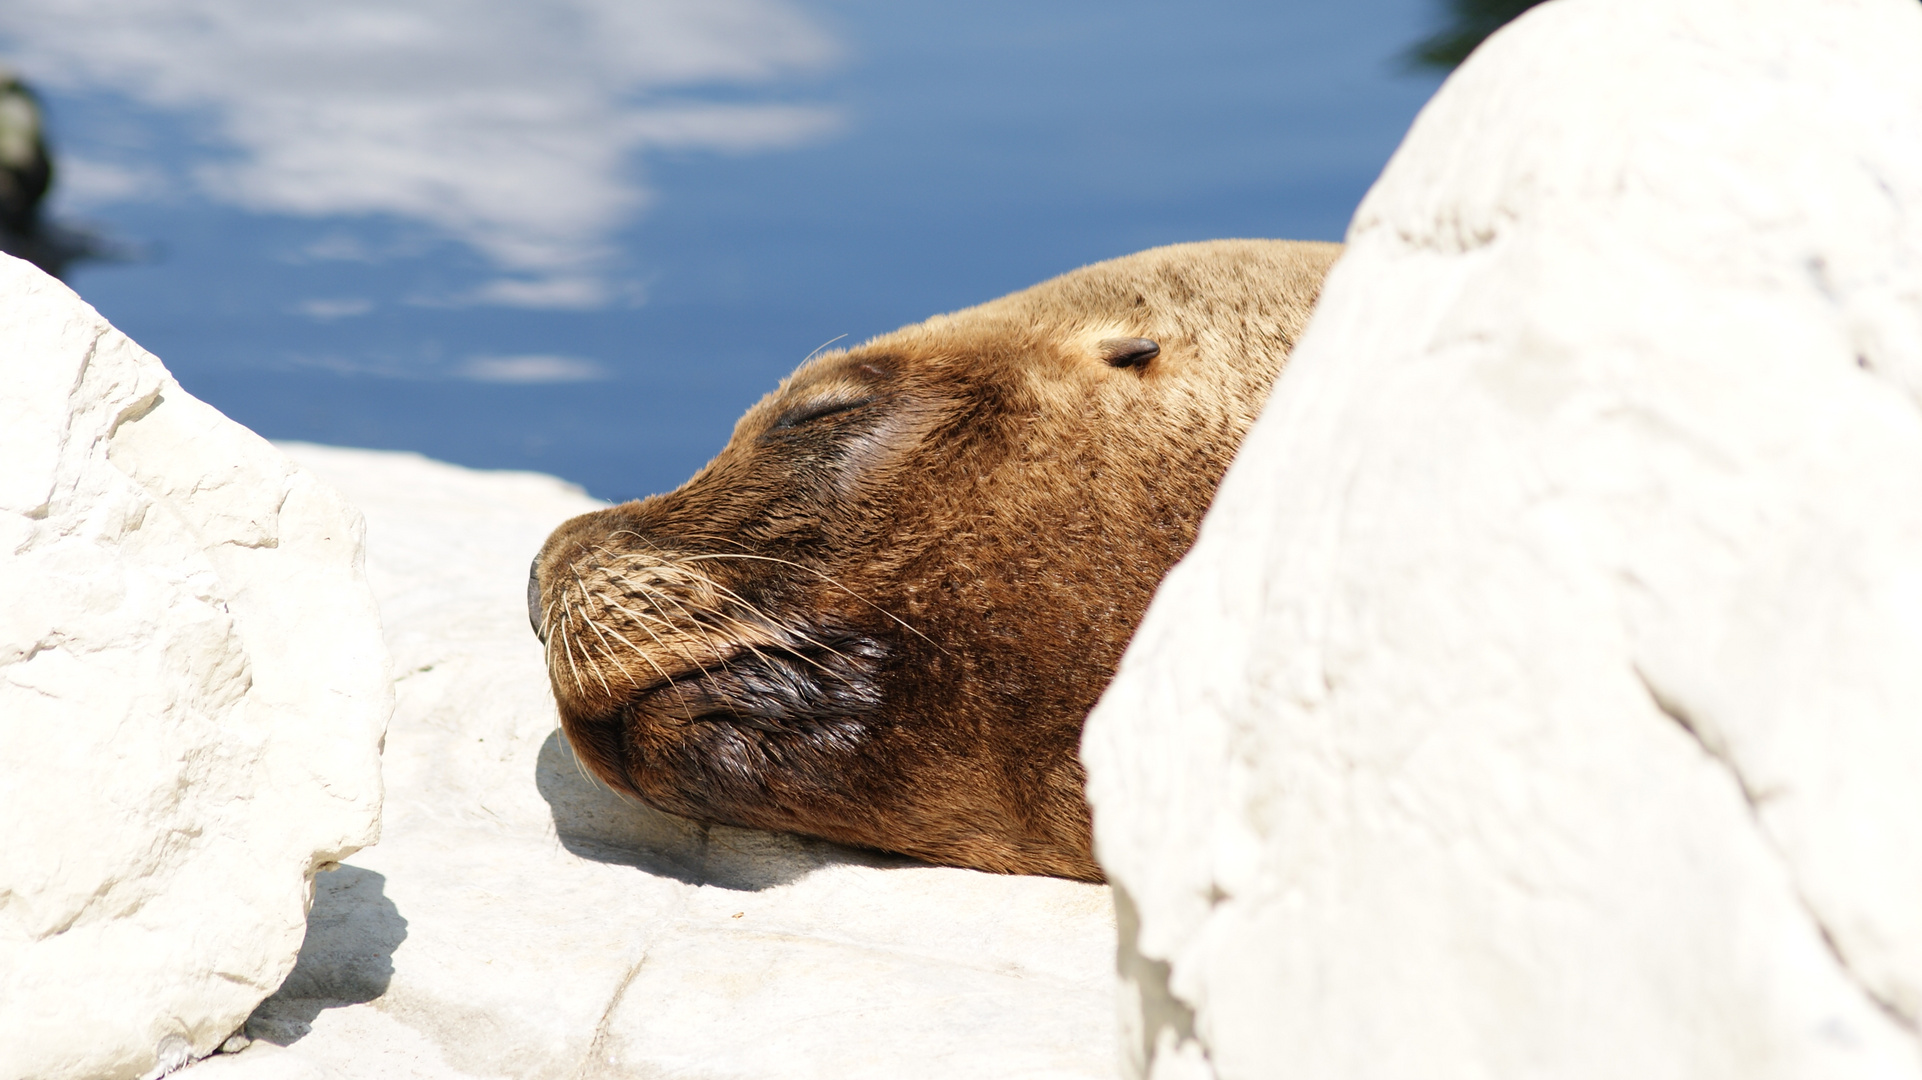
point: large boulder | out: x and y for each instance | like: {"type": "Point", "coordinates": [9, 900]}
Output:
{"type": "Point", "coordinates": [193, 690]}
{"type": "Point", "coordinates": [1543, 696]}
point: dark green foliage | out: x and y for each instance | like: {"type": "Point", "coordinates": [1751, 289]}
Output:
{"type": "Point", "coordinates": [1469, 23]}
{"type": "Point", "coordinates": [25, 169]}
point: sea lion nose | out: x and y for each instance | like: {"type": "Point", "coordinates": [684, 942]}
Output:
{"type": "Point", "coordinates": [534, 598]}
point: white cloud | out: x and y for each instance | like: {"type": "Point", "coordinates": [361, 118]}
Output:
{"type": "Point", "coordinates": [532, 369]}
{"type": "Point", "coordinates": [344, 246]}
{"type": "Point", "coordinates": [87, 182]}
{"type": "Point", "coordinates": [550, 292]}
{"type": "Point", "coordinates": [327, 310]}
{"type": "Point", "coordinates": [513, 127]}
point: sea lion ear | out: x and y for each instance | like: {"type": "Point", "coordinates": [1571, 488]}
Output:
{"type": "Point", "coordinates": [1127, 352]}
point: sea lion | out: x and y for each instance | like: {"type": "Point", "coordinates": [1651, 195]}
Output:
{"type": "Point", "coordinates": [882, 613]}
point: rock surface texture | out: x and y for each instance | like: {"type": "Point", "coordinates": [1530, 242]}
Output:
{"type": "Point", "coordinates": [1544, 695]}
{"type": "Point", "coordinates": [519, 921]}
{"type": "Point", "coordinates": [193, 689]}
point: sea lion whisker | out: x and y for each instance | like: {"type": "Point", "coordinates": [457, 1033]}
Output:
{"type": "Point", "coordinates": [767, 619]}
{"type": "Point", "coordinates": [651, 546]}
{"type": "Point", "coordinates": [653, 596]}
{"type": "Point", "coordinates": [550, 624]}
{"type": "Point", "coordinates": [647, 616]}
{"type": "Point", "coordinates": [701, 606]}
{"type": "Point", "coordinates": [587, 619]}
{"type": "Point", "coordinates": [749, 645]}
{"type": "Point", "coordinates": [621, 586]}
{"type": "Point", "coordinates": [588, 658]}
{"type": "Point", "coordinates": [707, 581]}
{"type": "Point", "coordinates": [567, 651]}
{"type": "Point", "coordinates": [796, 631]}
{"type": "Point", "coordinates": [686, 708]}
{"type": "Point", "coordinates": [743, 642]}
{"type": "Point", "coordinates": [620, 556]}
{"type": "Point", "coordinates": [744, 635]}
{"type": "Point", "coordinates": [560, 626]}
{"type": "Point", "coordinates": [744, 630]}
{"type": "Point", "coordinates": [594, 669]}
{"type": "Point", "coordinates": [829, 578]}
{"type": "Point", "coordinates": [577, 649]}
{"type": "Point", "coordinates": [678, 536]}
{"type": "Point", "coordinates": [657, 640]}
{"type": "Point", "coordinates": [608, 648]}
{"type": "Point", "coordinates": [823, 345]}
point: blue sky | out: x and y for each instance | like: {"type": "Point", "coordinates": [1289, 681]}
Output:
{"type": "Point", "coordinates": [581, 236]}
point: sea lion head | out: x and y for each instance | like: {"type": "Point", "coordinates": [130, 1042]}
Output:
{"type": "Point", "coordinates": [882, 612]}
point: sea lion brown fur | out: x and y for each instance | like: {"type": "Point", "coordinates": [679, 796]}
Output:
{"type": "Point", "coordinates": [881, 614]}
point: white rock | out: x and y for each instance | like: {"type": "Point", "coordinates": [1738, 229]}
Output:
{"type": "Point", "coordinates": [1543, 696]}
{"type": "Point", "coordinates": [519, 921]}
{"type": "Point", "coordinates": [193, 689]}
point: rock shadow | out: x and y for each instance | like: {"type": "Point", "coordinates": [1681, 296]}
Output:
{"type": "Point", "coordinates": [595, 823]}
{"type": "Point", "coordinates": [347, 957]}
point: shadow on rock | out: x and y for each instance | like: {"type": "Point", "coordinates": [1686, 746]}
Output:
{"type": "Point", "coordinates": [347, 957]}
{"type": "Point", "coordinates": [595, 823]}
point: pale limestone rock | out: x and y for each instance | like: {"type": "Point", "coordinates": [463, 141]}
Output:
{"type": "Point", "coordinates": [193, 689]}
{"type": "Point", "coordinates": [519, 921]}
{"type": "Point", "coordinates": [1543, 696]}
